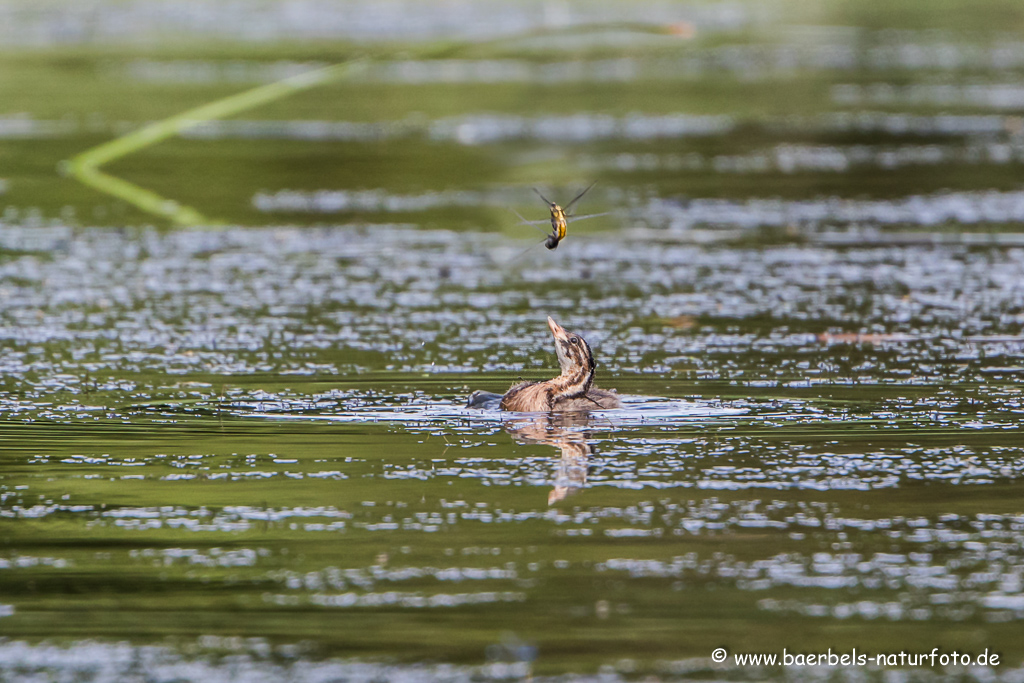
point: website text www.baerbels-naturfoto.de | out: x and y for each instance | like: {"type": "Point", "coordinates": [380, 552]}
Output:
{"type": "Point", "coordinates": [853, 657]}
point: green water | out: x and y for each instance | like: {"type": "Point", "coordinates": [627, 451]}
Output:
{"type": "Point", "coordinates": [241, 453]}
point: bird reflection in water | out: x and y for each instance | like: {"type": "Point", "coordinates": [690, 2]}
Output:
{"type": "Point", "coordinates": [566, 432]}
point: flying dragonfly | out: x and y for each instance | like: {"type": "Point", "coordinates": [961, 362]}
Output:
{"type": "Point", "coordinates": [559, 218]}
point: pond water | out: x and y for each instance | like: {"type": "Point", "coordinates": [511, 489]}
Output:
{"type": "Point", "coordinates": [248, 447]}
{"type": "Point", "coordinates": [240, 450]}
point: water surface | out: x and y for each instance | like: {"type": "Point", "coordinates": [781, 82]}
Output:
{"type": "Point", "coordinates": [241, 452]}
{"type": "Point", "coordinates": [253, 442]}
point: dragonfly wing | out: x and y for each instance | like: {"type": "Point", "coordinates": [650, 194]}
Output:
{"type": "Point", "coordinates": [546, 200]}
{"type": "Point", "coordinates": [524, 253]}
{"type": "Point", "coordinates": [589, 215]}
{"type": "Point", "coordinates": [533, 223]}
{"type": "Point", "coordinates": [577, 197]}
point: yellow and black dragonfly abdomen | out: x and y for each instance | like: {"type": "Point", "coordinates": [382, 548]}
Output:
{"type": "Point", "coordinates": [559, 218]}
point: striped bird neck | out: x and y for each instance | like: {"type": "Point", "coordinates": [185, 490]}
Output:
{"type": "Point", "coordinates": [576, 383]}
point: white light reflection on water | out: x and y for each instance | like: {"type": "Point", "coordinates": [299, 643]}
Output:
{"type": "Point", "coordinates": [814, 50]}
{"type": "Point", "coordinates": [796, 158]}
{"type": "Point", "coordinates": [949, 567]}
{"type": "Point", "coordinates": [878, 315]}
{"type": "Point", "coordinates": [107, 22]}
{"type": "Point", "coordinates": [585, 126]}
{"type": "Point", "coordinates": [994, 138]}
{"type": "Point", "coordinates": [965, 208]}
{"type": "Point", "coordinates": [998, 96]}
{"type": "Point", "coordinates": [219, 659]}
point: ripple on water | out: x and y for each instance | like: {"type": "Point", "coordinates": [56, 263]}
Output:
{"type": "Point", "coordinates": [762, 387]}
{"type": "Point", "coordinates": [948, 567]}
{"type": "Point", "coordinates": [237, 303]}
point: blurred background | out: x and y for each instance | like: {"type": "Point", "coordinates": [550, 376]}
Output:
{"type": "Point", "coordinates": [834, 113]}
{"type": "Point", "coordinates": [255, 254]}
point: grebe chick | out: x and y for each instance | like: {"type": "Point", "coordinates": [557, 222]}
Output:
{"type": "Point", "coordinates": [573, 390]}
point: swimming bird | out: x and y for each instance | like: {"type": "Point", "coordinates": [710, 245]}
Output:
{"type": "Point", "coordinates": [573, 390]}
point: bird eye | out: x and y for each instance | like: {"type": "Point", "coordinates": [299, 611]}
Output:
{"type": "Point", "coordinates": [574, 340]}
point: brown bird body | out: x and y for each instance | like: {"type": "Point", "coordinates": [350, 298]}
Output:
{"type": "Point", "coordinates": [573, 390]}
{"type": "Point", "coordinates": [532, 397]}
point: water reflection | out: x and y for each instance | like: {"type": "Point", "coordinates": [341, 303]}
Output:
{"type": "Point", "coordinates": [567, 433]}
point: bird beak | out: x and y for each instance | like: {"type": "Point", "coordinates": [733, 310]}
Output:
{"type": "Point", "coordinates": [557, 330]}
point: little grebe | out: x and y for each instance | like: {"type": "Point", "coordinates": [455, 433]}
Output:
{"type": "Point", "coordinates": [573, 390]}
